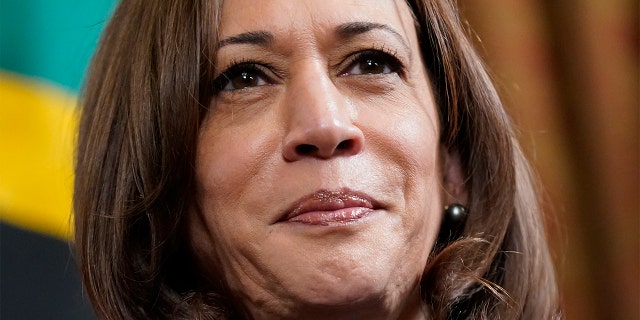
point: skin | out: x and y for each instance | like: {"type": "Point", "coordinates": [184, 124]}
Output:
{"type": "Point", "coordinates": [313, 120]}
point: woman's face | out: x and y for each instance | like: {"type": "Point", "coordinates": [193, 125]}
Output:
{"type": "Point", "coordinates": [318, 165]}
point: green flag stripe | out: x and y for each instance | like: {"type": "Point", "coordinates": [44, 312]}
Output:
{"type": "Point", "coordinates": [49, 39]}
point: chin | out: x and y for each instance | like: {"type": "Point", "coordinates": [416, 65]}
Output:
{"type": "Point", "coordinates": [364, 273]}
{"type": "Point", "coordinates": [360, 297]}
{"type": "Point", "coordinates": [350, 287]}
{"type": "Point", "coordinates": [356, 296]}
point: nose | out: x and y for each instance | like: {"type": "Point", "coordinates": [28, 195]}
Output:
{"type": "Point", "coordinates": [320, 119]}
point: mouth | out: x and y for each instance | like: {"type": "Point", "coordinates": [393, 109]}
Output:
{"type": "Point", "coordinates": [326, 208]}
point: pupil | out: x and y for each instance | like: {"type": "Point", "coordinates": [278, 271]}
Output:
{"type": "Point", "coordinates": [244, 80]}
{"type": "Point", "coordinates": [371, 66]}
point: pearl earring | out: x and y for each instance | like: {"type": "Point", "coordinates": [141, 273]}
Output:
{"type": "Point", "coordinates": [453, 221]}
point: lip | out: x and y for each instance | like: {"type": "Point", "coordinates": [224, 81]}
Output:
{"type": "Point", "coordinates": [325, 208]}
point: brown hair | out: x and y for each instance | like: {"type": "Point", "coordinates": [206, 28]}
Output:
{"type": "Point", "coordinates": [502, 268]}
{"type": "Point", "coordinates": [143, 103]}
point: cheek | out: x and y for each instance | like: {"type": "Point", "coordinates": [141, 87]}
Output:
{"type": "Point", "coordinates": [422, 181]}
{"type": "Point", "coordinates": [227, 162]}
{"type": "Point", "coordinates": [405, 135]}
{"type": "Point", "coordinates": [422, 189]}
{"type": "Point", "coordinates": [230, 154]}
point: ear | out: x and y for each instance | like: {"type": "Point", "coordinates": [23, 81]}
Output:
{"type": "Point", "coordinates": [453, 178]}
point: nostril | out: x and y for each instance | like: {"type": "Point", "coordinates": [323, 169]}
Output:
{"type": "Point", "coordinates": [305, 149]}
{"type": "Point", "coordinates": [344, 145]}
{"type": "Point", "coordinates": [322, 144]}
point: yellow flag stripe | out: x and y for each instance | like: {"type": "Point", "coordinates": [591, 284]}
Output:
{"type": "Point", "coordinates": [37, 134]}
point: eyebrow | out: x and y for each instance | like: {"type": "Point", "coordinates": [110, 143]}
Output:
{"type": "Point", "coordinates": [345, 31]}
{"type": "Point", "coordinates": [352, 29]}
{"type": "Point", "coordinates": [259, 38]}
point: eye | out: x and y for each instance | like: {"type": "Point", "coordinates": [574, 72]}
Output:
{"type": "Point", "coordinates": [372, 62]}
{"type": "Point", "coordinates": [241, 76]}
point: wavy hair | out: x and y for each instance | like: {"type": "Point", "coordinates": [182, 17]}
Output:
{"type": "Point", "coordinates": [142, 106]}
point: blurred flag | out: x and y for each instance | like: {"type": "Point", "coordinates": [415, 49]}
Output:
{"type": "Point", "coordinates": [45, 47]}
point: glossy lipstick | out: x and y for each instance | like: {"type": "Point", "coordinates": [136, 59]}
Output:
{"type": "Point", "coordinates": [325, 208]}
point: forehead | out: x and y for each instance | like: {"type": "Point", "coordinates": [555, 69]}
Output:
{"type": "Point", "coordinates": [301, 18]}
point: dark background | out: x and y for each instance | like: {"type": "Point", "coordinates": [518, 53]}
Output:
{"type": "Point", "coordinates": [38, 277]}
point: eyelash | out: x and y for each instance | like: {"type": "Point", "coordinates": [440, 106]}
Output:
{"type": "Point", "coordinates": [236, 69]}
{"type": "Point", "coordinates": [260, 70]}
{"type": "Point", "coordinates": [380, 55]}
